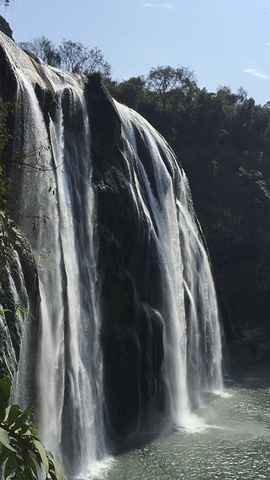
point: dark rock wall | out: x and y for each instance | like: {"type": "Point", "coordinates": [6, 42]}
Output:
{"type": "Point", "coordinates": [232, 200]}
{"type": "Point", "coordinates": [19, 291]}
{"type": "Point", "coordinates": [19, 297]}
{"type": "Point", "coordinates": [5, 27]}
{"type": "Point", "coordinates": [129, 280]}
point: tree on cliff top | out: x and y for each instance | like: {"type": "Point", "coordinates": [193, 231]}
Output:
{"type": "Point", "coordinates": [45, 49]}
{"type": "Point", "coordinates": [71, 56]}
{"type": "Point", "coordinates": [164, 79]}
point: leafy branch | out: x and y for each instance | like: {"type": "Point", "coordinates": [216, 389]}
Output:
{"type": "Point", "coordinates": [22, 454]}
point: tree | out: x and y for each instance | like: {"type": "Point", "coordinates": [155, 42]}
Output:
{"type": "Point", "coordinates": [130, 92]}
{"type": "Point", "coordinates": [44, 49]}
{"type": "Point", "coordinates": [77, 58]}
{"type": "Point", "coordinates": [96, 63]}
{"type": "Point", "coordinates": [71, 56]}
{"type": "Point", "coordinates": [165, 79]}
{"type": "Point", "coordinates": [21, 452]}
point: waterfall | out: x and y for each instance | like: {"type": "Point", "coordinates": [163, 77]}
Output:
{"type": "Point", "coordinates": [68, 359]}
{"type": "Point", "coordinates": [192, 345]}
{"type": "Point", "coordinates": [70, 363]}
{"type": "Point", "coordinates": [159, 314]}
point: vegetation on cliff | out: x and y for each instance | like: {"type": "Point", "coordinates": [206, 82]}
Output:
{"type": "Point", "coordinates": [69, 55]}
{"type": "Point", "coordinates": [22, 454]}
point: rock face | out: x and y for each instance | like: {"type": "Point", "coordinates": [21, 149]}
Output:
{"type": "Point", "coordinates": [5, 27]}
{"type": "Point", "coordinates": [232, 200]}
{"type": "Point", "coordinates": [132, 331]}
{"type": "Point", "coordinates": [19, 295]}
{"type": "Point", "coordinates": [19, 290]}
{"type": "Point", "coordinates": [153, 271]}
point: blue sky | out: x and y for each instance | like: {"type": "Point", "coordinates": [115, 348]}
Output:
{"type": "Point", "coordinates": [224, 42]}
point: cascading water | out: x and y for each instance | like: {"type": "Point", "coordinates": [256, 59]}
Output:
{"type": "Point", "coordinates": [192, 340]}
{"type": "Point", "coordinates": [69, 361]}
{"type": "Point", "coordinates": [53, 136]}
{"type": "Point", "coordinates": [70, 323]}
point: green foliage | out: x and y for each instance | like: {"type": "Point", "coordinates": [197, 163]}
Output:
{"type": "Point", "coordinates": [191, 117]}
{"type": "Point", "coordinates": [22, 454]}
{"type": "Point", "coordinates": [6, 238]}
{"type": "Point", "coordinates": [167, 81]}
{"type": "Point", "coordinates": [6, 109]}
{"type": "Point", "coordinates": [131, 92]}
{"type": "Point", "coordinates": [6, 241]}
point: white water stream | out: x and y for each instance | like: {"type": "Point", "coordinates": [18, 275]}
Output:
{"type": "Point", "coordinates": [192, 340]}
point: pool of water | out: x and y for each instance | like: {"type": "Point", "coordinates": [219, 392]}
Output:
{"type": "Point", "coordinates": [233, 441]}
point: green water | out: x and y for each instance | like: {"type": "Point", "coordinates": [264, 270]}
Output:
{"type": "Point", "coordinates": [233, 444]}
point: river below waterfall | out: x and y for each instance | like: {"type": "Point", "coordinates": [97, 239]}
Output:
{"type": "Point", "coordinates": [234, 442]}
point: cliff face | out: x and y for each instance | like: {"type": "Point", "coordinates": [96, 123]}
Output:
{"type": "Point", "coordinates": [5, 27]}
{"type": "Point", "coordinates": [232, 200]}
{"type": "Point", "coordinates": [131, 287]}
{"type": "Point", "coordinates": [19, 290]}
{"type": "Point", "coordinates": [19, 295]}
